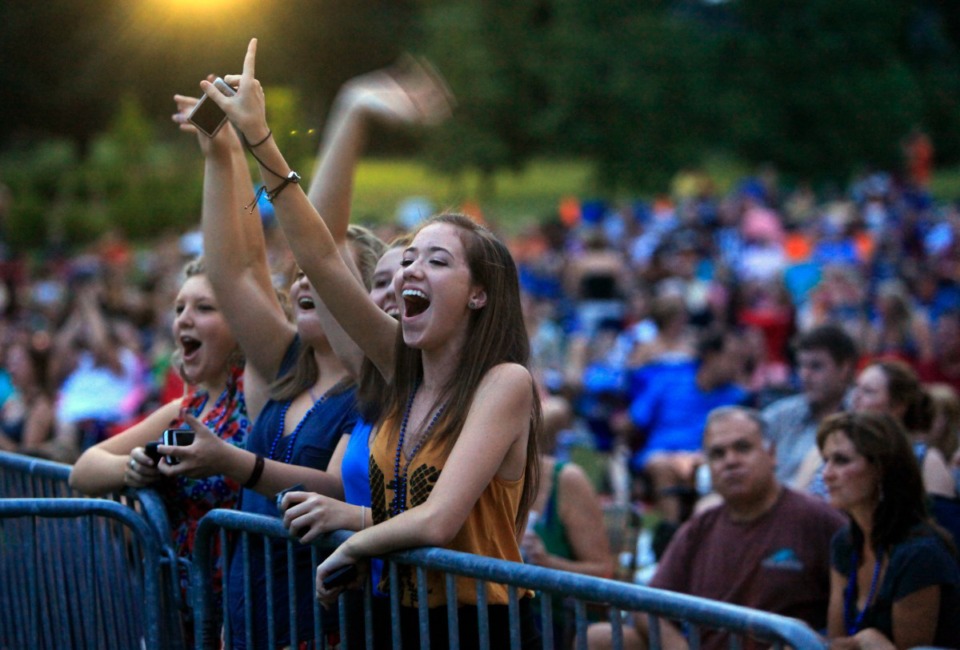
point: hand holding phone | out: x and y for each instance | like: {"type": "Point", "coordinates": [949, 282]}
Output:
{"type": "Point", "coordinates": [341, 577]}
{"type": "Point", "coordinates": [206, 115]}
{"type": "Point", "coordinates": [177, 438]}
{"type": "Point", "coordinates": [293, 488]}
{"type": "Point", "coordinates": [150, 449]}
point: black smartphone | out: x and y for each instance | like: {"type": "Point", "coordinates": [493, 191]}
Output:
{"type": "Point", "coordinates": [206, 115]}
{"type": "Point", "coordinates": [150, 449]}
{"type": "Point", "coordinates": [341, 577]}
{"type": "Point", "coordinates": [177, 438]}
{"type": "Point", "coordinates": [293, 488]}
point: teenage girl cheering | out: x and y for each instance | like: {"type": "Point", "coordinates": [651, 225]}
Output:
{"type": "Point", "coordinates": [453, 456]}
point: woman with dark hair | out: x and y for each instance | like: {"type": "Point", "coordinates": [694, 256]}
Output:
{"type": "Point", "coordinates": [454, 456]}
{"type": "Point", "coordinates": [894, 580]}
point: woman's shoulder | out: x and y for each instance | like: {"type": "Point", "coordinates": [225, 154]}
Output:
{"type": "Point", "coordinates": [509, 384]}
{"type": "Point", "coordinates": [922, 536]}
{"type": "Point", "coordinates": [506, 374]}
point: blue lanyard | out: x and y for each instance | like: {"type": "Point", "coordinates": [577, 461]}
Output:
{"type": "Point", "coordinates": [850, 595]}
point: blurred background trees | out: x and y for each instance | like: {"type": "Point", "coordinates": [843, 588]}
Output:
{"type": "Point", "coordinates": [635, 89]}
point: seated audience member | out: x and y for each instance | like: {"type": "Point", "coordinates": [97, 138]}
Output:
{"type": "Point", "coordinates": [672, 341]}
{"type": "Point", "coordinates": [826, 358]}
{"type": "Point", "coordinates": [781, 537]}
{"type": "Point", "coordinates": [892, 387]}
{"type": "Point", "coordinates": [27, 417]}
{"type": "Point", "coordinates": [894, 579]}
{"type": "Point", "coordinates": [597, 279]}
{"type": "Point", "coordinates": [670, 412]}
{"type": "Point", "coordinates": [566, 528]}
{"type": "Point", "coordinates": [897, 328]}
{"type": "Point", "coordinates": [945, 433]}
{"type": "Point", "coordinates": [944, 366]}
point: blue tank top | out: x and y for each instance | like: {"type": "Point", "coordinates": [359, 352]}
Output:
{"type": "Point", "coordinates": [355, 467]}
{"type": "Point", "coordinates": [318, 437]}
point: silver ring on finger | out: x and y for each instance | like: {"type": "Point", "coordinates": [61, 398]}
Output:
{"type": "Point", "coordinates": [133, 464]}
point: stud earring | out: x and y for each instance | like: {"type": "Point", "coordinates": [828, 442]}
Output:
{"type": "Point", "coordinates": [472, 304]}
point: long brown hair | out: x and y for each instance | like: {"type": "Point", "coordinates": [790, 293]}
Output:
{"type": "Point", "coordinates": [495, 335]}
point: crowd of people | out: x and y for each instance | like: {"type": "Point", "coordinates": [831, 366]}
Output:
{"type": "Point", "coordinates": [773, 371]}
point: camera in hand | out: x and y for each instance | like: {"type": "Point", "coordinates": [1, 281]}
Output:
{"type": "Point", "coordinates": [206, 115]}
{"type": "Point", "coordinates": [178, 438]}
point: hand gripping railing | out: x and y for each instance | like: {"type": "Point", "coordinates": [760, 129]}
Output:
{"type": "Point", "coordinates": [25, 476]}
{"type": "Point", "coordinates": [88, 579]}
{"type": "Point", "coordinates": [779, 631]}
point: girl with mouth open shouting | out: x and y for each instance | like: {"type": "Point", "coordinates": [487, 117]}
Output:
{"type": "Point", "coordinates": [453, 455]}
{"type": "Point", "coordinates": [211, 364]}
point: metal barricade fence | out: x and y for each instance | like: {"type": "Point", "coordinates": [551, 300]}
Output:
{"type": "Point", "coordinates": [26, 477]}
{"type": "Point", "coordinates": [616, 598]}
{"type": "Point", "coordinates": [78, 573]}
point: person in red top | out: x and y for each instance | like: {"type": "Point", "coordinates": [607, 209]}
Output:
{"type": "Point", "coordinates": [918, 151]}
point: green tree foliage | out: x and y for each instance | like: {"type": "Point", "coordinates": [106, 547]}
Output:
{"type": "Point", "coordinates": [818, 87]}
{"type": "Point", "coordinates": [489, 53]}
{"type": "Point", "coordinates": [638, 88]}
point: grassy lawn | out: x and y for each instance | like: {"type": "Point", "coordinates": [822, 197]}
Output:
{"type": "Point", "coordinates": [517, 198]}
{"type": "Point", "coordinates": [946, 184]}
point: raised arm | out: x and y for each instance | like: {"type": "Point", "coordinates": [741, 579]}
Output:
{"type": "Point", "coordinates": [235, 254]}
{"type": "Point", "coordinates": [310, 240]}
{"type": "Point", "coordinates": [407, 94]}
{"type": "Point", "coordinates": [410, 93]}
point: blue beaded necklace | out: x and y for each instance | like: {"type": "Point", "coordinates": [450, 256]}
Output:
{"type": "Point", "coordinates": [850, 595]}
{"type": "Point", "coordinates": [288, 456]}
{"type": "Point", "coordinates": [399, 502]}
